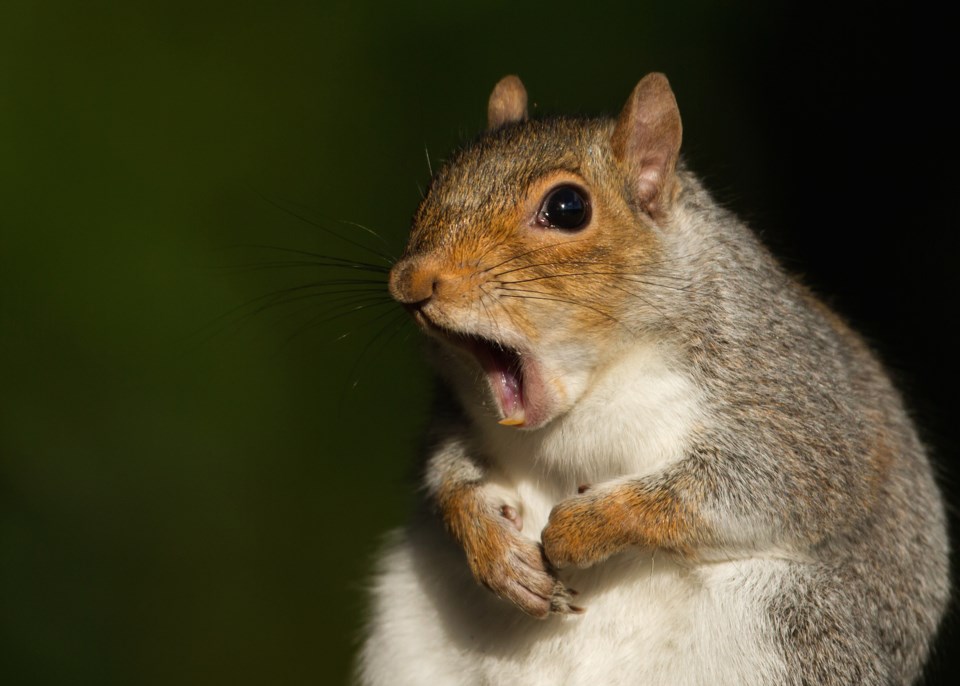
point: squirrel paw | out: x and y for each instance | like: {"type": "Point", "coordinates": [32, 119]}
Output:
{"type": "Point", "coordinates": [584, 530]}
{"type": "Point", "coordinates": [515, 569]}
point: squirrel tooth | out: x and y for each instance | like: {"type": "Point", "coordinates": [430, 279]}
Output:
{"type": "Point", "coordinates": [511, 421]}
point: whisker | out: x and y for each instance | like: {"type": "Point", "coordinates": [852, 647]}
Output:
{"type": "Point", "coordinates": [346, 334]}
{"type": "Point", "coordinates": [486, 311]}
{"type": "Point", "coordinates": [568, 302]}
{"type": "Point", "coordinates": [236, 319]}
{"type": "Point", "coordinates": [305, 264]}
{"type": "Point", "coordinates": [426, 151]}
{"type": "Point", "coordinates": [325, 229]}
{"type": "Point", "coordinates": [322, 319]}
{"type": "Point", "coordinates": [629, 292]}
{"type": "Point", "coordinates": [393, 326]}
{"type": "Point", "coordinates": [479, 260]}
{"type": "Point", "coordinates": [524, 254]}
{"type": "Point", "coordinates": [559, 263]}
{"type": "Point", "coordinates": [327, 260]}
{"type": "Point", "coordinates": [485, 294]}
{"type": "Point", "coordinates": [276, 297]}
{"type": "Point", "coordinates": [345, 297]}
{"type": "Point", "coordinates": [625, 276]}
{"type": "Point", "coordinates": [373, 233]}
{"type": "Point", "coordinates": [331, 305]}
{"type": "Point", "coordinates": [342, 308]}
{"type": "Point", "coordinates": [590, 263]}
{"type": "Point", "coordinates": [280, 293]}
{"type": "Point", "coordinates": [646, 265]}
{"type": "Point", "coordinates": [642, 299]}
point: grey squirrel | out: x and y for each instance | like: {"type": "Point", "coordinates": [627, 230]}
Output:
{"type": "Point", "coordinates": [642, 405]}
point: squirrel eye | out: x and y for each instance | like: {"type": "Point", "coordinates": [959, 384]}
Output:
{"type": "Point", "coordinates": [565, 207]}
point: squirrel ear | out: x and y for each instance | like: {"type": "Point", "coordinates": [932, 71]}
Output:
{"type": "Point", "coordinates": [508, 103]}
{"type": "Point", "coordinates": [646, 141]}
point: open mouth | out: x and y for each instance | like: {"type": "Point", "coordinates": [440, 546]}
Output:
{"type": "Point", "coordinates": [503, 367]}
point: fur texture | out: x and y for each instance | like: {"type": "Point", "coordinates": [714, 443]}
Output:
{"type": "Point", "coordinates": [708, 455]}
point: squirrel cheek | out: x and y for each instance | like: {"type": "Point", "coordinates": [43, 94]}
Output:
{"type": "Point", "coordinates": [559, 391]}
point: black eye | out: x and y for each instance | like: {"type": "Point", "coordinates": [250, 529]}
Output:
{"type": "Point", "coordinates": [565, 207]}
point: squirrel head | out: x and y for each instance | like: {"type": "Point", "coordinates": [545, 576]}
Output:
{"type": "Point", "coordinates": [531, 257]}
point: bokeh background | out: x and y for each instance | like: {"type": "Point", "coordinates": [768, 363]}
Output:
{"type": "Point", "coordinates": [195, 464]}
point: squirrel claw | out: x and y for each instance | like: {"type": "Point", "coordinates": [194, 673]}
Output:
{"type": "Point", "coordinates": [560, 601]}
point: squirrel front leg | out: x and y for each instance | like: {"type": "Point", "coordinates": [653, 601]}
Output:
{"type": "Point", "coordinates": [713, 500]}
{"type": "Point", "coordinates": [608, 518]}
{"type": "Point", "coordinates": [488, 529]}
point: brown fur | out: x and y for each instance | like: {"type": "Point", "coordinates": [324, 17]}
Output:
{"type": "Point", "coordinates": [590, 527]}
{"type": "Point", "coordinates": [508, 564]}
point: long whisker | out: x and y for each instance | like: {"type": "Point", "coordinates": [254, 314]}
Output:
{"type": "Point", "coordinates": [648, 268]}
{"type": "Point", "coordinates": [321, 319]}
{"type": "Point", "coordinates": [624, 276]}
{"type": "Point", "coordinates": [372, 233]}
{"type": "Point", "coordinates": [363, 287]}
{"type": "Point", "coordinates": [346, 297]}
{"type": "Point", "coordinates": [490, 249]}
{"type": "Point", "coordinates": [283, 208]}
{"type": "Point", "coordinates": [642, 299]}
{"type": "Point", "coordinates": [332, 304]}
{"type": "Point", "coordinates": [524, 254]}
{"type": "Point", "coordinates": [393, 326]}
{"type": "Point", "coordinates": [590, 263]}
{"type": "Point", "coordinates": [493, 320]}
{"type": "Point", "coordinates": [283, 298]}
{"type": "Point", "coordinates": [278, 298]}
{"type": "Point", "coordinates": [566, 301]}
{"type": "Point", "coordinates": [303, 264]}
{"type": "Point", "coordinates": [646, 265]}
{"type": "Point", "coordinates": [324, 260]}
{"type": "Point", "coordinates": [426, 151]}
{"type": "Point", "coordinates": [485, 295]}
{"type": "Point", "coordinates": [346, 334]}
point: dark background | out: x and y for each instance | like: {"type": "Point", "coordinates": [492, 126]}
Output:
{"type": "Point", "coordinates": [192, 484]}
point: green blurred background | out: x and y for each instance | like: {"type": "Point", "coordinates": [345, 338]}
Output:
{"type": "Point", "coordinates": [192, 484]}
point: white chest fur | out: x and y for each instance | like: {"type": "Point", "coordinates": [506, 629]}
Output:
{"type": "Point", "coordinates": [648, 621]}
{"type": "Point", "coordinates": [634, 419]}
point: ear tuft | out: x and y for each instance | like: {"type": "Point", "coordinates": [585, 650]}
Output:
{"type": "Point", "coordinates": [646, 141]}
{"type": "Point", "coordinates": [508, 103]}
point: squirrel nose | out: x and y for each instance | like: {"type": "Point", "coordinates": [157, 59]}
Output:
{"type": "Point", "coordinates": [413, 282]}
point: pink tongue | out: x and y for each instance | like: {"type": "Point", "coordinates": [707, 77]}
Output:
{"type": "Point", "coordinates": [507, 384]}
{"type": "Point", "coordinates": [503, 371]}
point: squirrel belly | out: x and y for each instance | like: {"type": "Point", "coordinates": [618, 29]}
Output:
{"type": "Point", "coordinates": [648, 620]}
{"type": "Point", "coordinates": [656, 456]}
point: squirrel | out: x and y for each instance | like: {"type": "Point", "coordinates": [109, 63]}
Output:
{"type": "Point", "coordinates": [638, 402]}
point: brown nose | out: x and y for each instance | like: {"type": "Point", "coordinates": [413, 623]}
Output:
{"type": "Point", "coordinates": [413, 281]}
